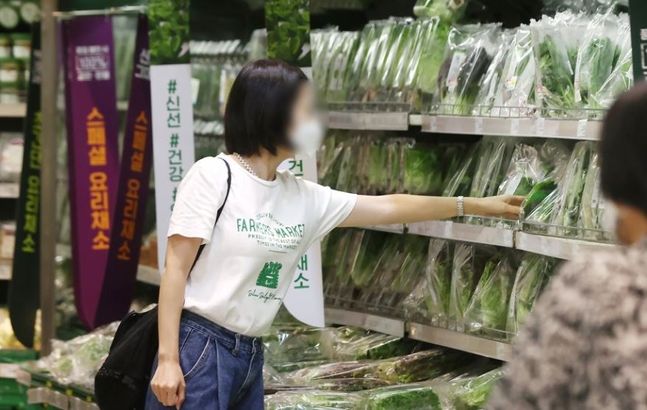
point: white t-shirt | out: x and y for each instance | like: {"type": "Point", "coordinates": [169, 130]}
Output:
{"type": "Point", "coordinates": [251, 256]}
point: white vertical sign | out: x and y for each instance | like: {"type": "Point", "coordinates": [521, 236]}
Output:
{"type": "Point", "coordinates": [173, 147]}
{"type": "Point", "coordinates": [305, 299]}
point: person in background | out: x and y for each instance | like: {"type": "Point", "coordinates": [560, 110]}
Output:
{"type": "Point", "coordinates": [585, 344]}
{"type": "Point", "coordinates": [210, 323]}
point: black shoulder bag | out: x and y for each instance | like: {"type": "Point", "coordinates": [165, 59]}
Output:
{"type": "Point", "coordinates": [122, 381]}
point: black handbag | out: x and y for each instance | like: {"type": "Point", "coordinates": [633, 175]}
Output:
{"type": "Point", "coordinates": [122, 381]}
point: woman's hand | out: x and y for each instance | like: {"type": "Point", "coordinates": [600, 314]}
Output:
{"type": "Point", "coordinates": [506, 206]}
{"type": "Point", "coordinates": [168, 383]}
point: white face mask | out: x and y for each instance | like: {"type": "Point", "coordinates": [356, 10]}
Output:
{"type": "Point", "coordinates": [307, 137]}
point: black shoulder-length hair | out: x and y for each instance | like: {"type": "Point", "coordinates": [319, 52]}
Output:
{"type": "Point", "coordinates": [623, 149]}
{"type": "Point", "coordinates": [259, 107]}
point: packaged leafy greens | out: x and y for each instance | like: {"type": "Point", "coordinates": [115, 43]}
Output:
{"type": "Point", "coordinates": [530, 279]}
{"type": "Point", "coordinates": [593, 203]}
{"type": "Point", "coordinates": [468, 265]}
{"type": "Point", "coordinates": [524, 172]}
{"type": "Point", "coordinates": [488, 308]}
{"type": "Point", "coordinates": [409, 396]}
{"type": "Point", "coordinates": [468, 55]}
{"type": "Point", "coordinates": [472, 393]}
{"type": "Point", "coordinates": [489, 84]}
{"type": "Point", "coordinates": [350, 343]}
{"type": "Point", "coordinates": [572, 187]}
{"type": "Point", "coordinates": [447, 10]}
{"type": "Point", "coordinates": [311, 400]}
{"type": "Point", "coordinates": [555, 42]}
{"type": "Point", "coordinates": [491, 159]}
{"type": "Point", "coordinates": [407, 274]}
{"type": "Point", "coordinates": [419, 366]}
{"type": "Point", "coordinates": [460, 182]}
{"type": "Point", "coordinates": [429, 301]}
{"type": "Point", "coordinates": [336, 89]}
{"type": "Point", "coordinates": [422, 170]}
{"type": "Point", "coordinates": [515, 94]}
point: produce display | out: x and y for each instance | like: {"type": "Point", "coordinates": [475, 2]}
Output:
{"type": "Point", "coordinates": [569, 65]}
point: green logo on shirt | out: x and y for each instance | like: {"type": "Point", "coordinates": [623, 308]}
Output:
{"type": "Point", "coordinates": [269, 276]}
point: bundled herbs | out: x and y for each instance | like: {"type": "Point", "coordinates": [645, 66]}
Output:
{"type": "Point", "coordinates": [488, 308]}
{"type": "Point", "coordinates": [572, 187]}
{"type": "Point", "coordinates": [524, 172]}
{"type": "Point", "coordinates": [490, 83]}
{"type": "Point", "coordinates": [556, 41]}
{"type": "Point", "coordinates": [288, 31]}
{"type": "Point", "coordinates": [472, 393]}
{"type": "Point", "coordinates": [459, 181]}
{"type": "Point", "coordinates": [422, 170]}
{"type": "Point", "coordinates": [593, 204]}
{"type": "Point", "coordinates": [410, 396]}
{"type": "Point", "coordinates": [491, 158]}
{"type": "Point", "coordinates": [468, 55]}
{"type": "Point", "coordinates": [530, 279]}
{"type": "Point", "coordinates": [468, 265]}
{"type": "Point", "coordinates": [419, 366]}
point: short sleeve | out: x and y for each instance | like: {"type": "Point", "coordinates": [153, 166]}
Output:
{"type": "Point", "coordinates": [329, 207]}
{"type": "Point", "coordinates": [200, 194]}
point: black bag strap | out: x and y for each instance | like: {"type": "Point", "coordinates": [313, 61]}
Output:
{"type": "Point", "coordinates": [201, 248]}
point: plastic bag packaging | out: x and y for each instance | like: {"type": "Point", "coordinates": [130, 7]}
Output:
{"type": "Point", "coordinates": [448, 10]}
{"type": "Point", "coordinates": [493, 153]}
{"type": "Point", "coordinates": [489, 84]}
{"type": "Point", "coordinates": [400, 45]}
{"type": "Point", "coordinates": [572, 187]}
{"type": "Point", "coordinates": [530, 280]}
{"type": "Point", "coordinates": [488, 308]}
{"type": "Point", "coordinates": [311, 400]}
{"type": "Point", "coordinates": [409, 396]}
{"type": "Point", "coordinates": [539, 219]}
{"type": "Point", "coordinates": [460, 182]}
{"type": "Point", "coordinates": [271, 377]}
{"type": "Point", "coordinates": [468, 264]}
{"type": "Point", "coordinates": [408, 73]}
{"type": "Point", "coordinates": [555, 42]}
{"type": "Point", "coordinates": [350, 343]}
{"type": "Point", "coordinates": [431, 59]}
{"type": "Point", "coordinates": [294, 348]}
{"type": "Point", "coordinates": [524, 172]}
{"type": "Point", "coordinates": [472, 393]}
{"type": "Point", "coordinates": [336, 89]}
{"type": "Point", "coordinates": [620, 79]}
{"type": "Point", "coordinates": [468, 55]}
{"type": "Point", "coordinates": [515, 95]}
{"type": "Point", "coordinates": [419, 366]}
{"type": "Point", "coordinates": [593, 204]}
{"type": "Point", "coordinates": [554, 157]}
{"type": "Point", "coordinates": [422, 170]}
{"type": "Point", "coordinates": [429, 301]}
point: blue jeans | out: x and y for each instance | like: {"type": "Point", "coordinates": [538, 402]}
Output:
{"type": "Point", "coordinates": [222, 370]}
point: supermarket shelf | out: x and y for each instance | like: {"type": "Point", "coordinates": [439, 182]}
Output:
{"type": "Point", "coordinates": [375, 121]}
{"type": "Point", "coordinates": [9, 190]}
{"type": "Point", "coordinates": [395, 228]}
{"type": "Point", "coordinates": [460, 341]}
{"type": "Point", "coordinates": [513, 127]}
{"type": "Point", "coordinates": [18, 110]}
{"type": "Point", "coordinates": [368, 321]}
{"type": "Point", "coordinates": [49, 397]}
{"type": "Point", "coordinates": [561, 248]}
{"type": "Point", "coordinates": [464, 232]}
{"type": "Point", "coordinates": [149, 275]}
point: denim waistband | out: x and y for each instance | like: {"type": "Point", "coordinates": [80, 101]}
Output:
{"type": "Point", "coordinates": [231, 339]}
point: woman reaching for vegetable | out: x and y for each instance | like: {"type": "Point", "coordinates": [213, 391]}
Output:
{"type": "Point", "coordinates": [255, 223]}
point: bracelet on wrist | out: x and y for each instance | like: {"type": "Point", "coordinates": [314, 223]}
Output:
{"type": "Point", "coordinates": [460, 206]}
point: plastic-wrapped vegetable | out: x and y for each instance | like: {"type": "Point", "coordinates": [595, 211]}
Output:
{"type": "Point", "coordinates": [448, 10]}
{"type": "Point", "coordinates": [422, 170]}
{"type": "Point", "coordinates": [597, 56]}
{"type": "Point", "coordinates": [294, 348]}
{"type": "Point", "coordinates": [531, 277]}
{"type": "Point", "coordinates": [431, 59]}
{"type": "Point", "coordinates": [490, 82]}
{"type": "Point", "coordinates": [468, 265]}
{"type": "Point", "coordinates": [345, 46]}
{"type": "Point", "coordinates": [467, 57]}
{"type": "Point", "coordinates": [410, 396]}
{"type": "Point", "coordinates": [472, 393]}
{"type": "Point", "coordinates": [460, 182]}
{"type": "Point", "coordinates": [555, 42]}
{"type": "Point", "coordinates": [492, 157]}
{"type": "Point", "coordinates": [419, 366]}
{"type": "Point", "coordinates": [524, 172]}
{"type": "Point", "coordinates": [349, 343]}
{"type": "Point", "coordinates": [515, 96]}
{"type": "Point", "coordinates": [572, 186]}
{"type": "Point", "coordinates": [311, 400]}
{"type": "Point", "coordinates": [539, 219]}
{"type": "Point", "coordinates": [593, 203]}
{"type": "Point", "coordinates": [430, 299]}
{"type": "Point", "coordinates": [621, 78]}
{"type": "Point", "coordinates": [488, 308]}
{"type": "Point", "coordinates": [407, 273]}
{"type": "Point", "coordinates": [554, 157]}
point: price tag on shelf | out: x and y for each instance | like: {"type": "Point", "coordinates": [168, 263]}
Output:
{"type": "Point", "coordinates": [478, 125]}
{"type": "Point", "coordinates": [514, 126]}
{"type": "Point", "coordinates": [582, 126]}
{"type": "Point", "coordinates": [540, 127]}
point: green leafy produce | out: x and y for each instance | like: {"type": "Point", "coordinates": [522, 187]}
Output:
{"type": "Point", "coordinates": [312, 400]}
{"type": "Point", "coordinates": [294, 348]}
{"type": "Point", "coordinates": [469, 263]}
{"type": "Point", "coordinates": [336, 89]}
{"type": "Point", "coordinates": [524, 172]}
{"type": "Point", "coordinates": [447, 10]}
{"type": "Point", "coordinates": [538, 194]}
{"type": "Point", "coordinates": [460, 181]}
{"type": "Point", "coordinates": [431, 59]}
{"type": "Point", "coordinates": [488, 309]}
{"type": "Point", "coordinates": [473, 393]}
{"type": "Point", "coordinates": [419, 366]}
{"type": "Point", "coordinates": [412, 396]}
{"type": "Point", "coordinates": [530, 279]}
{"type": "Point", "coordinates": [169, 31]}
{"type": "Point", "coordinates": [422, 171]}
{"type": "Point", "coordinates": [349, 343]}
{"type": "Point", "coordinates": [572, 186]}
{"type": "Point", "coordinates": [492, 157]}
{"type": "Point", "coordinates": [288, 30]}
{"type": "Point", "coordinates": [515, 94]}
{"type": "Point", "coordinates": [489, 84]}
{"type": "Point", "coordinates": [593, 206]}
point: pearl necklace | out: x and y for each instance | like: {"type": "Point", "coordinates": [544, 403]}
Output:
{"type": "Point", "coordinates": [244, 163]}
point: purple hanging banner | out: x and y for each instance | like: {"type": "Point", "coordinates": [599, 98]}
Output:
{"type": "Point", "coordinates": [134, 177]}
{"type": "Point", "coordinates": [93, 163]}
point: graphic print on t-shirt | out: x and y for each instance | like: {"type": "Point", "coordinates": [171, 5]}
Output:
{"type": "Point", "coordinates": [271, 233]}
{"type": "Point", "coordinates": [269, 276]}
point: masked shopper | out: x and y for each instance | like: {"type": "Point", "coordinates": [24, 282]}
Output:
{"type": "Point", "coordinates": [211, 316]}
{"type": "Point", "coordinates": [585, 344]}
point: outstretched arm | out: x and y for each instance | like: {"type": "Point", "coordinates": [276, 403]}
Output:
{"type": "Point", "coordinates": [392, 209]}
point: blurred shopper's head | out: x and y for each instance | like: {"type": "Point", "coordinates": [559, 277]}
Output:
{"type": "Point", "coordinates": [268, 102]}
{"type": "Point", "coordinates": [623, 155]}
